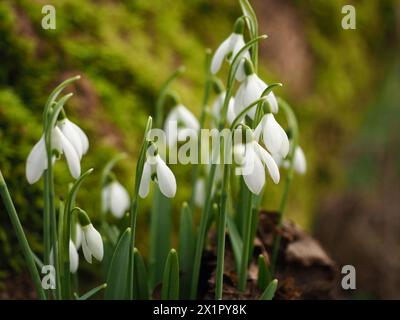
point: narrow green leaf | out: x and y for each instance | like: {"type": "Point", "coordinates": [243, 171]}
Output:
{"type": "Point", "coordinates": [92, 292]}
{"type": "Point", "coordinates": [186, 250]}
{"type": "Point", "coordinates": [160, 231]}
{"type": "Point", "coordinates": [170, 287]}
{"type": "Point", "coordinates": [269, 293]}
{"type": "Point", "coordinates": [236, 241]}
{"type": "Point", "coordinates": [117, 278]}
{"type": "Point", "coordinates": [264, 273]}
{"type": "Point", "coordinates": [140, 279]}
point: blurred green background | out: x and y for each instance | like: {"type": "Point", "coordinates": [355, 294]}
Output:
{"type": "Point", "coordinates": [343, 84]}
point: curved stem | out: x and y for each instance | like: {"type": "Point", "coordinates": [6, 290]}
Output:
{"type": "Point", "coordinates": [134, 206]}
{"type": "Point", "coordinates": [159, 116]}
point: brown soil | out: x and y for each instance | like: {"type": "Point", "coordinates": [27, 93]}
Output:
{"type": "Point", "coordinates": [304, 269]}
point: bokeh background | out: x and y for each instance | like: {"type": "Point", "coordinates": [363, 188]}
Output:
{"type": "Point", "coordinates": [343, 84]}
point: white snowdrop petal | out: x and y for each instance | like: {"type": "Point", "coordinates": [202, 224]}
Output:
{"type": "Point", "coordinates": [119, 199]}
{"type": "Point", "coordinates": [73, 162]}
{"type": "Point", "coordinates": [105, 199]}
{"type": "Point", "coordinates": [73, 257]}
{"type": "Point", "coordinates": [165, 178]}
{"type": "Point", "coordinates": [72, 135]}
{"type": "Point", "coordinates": [188, 118]}
{"type": "Point", "coordinates": [36, 162]}
{"type": "Point", "coordinates": [230, 116]}
{"type": "Point", "coordinates": [300, 163]}
{"type": "Point", "coordinates": [272, 134]}
{"type": "Point", "coordinates": [255, 175]}
{"type": "Point", "coordinates": [254, 89]}
{"type": "Point", "coordinates": [145, 181]}
{"type": "Point", "coordinates": [220, 54]}
{"type": "Point", "coordinates": [238, 104]}
{"type": "Point", "coordinates": [285, 143]}
{"type": "Point", "coordinates": [85, 248]}
{"type": "Point", "coordinates": [272, 102]}
{"type": "Point", "coordinates": [83, 137]}
{"type": "Point", "coordinates": [94, 242]}
{"type": "Point", "coordinates": [270, 163]}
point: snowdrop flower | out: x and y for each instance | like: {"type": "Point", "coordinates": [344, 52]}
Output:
{"type": "Point", "coordinates": [250, 90]}
{"type": "Point", "coordinates": [115, 199]}
{"type": "Point", "coordinates": [299, 161]}
{"type": "Point", "coordinates": [274, 137]}
{"type": "Point", "coordinates": [36, 163]}
{"type": "Point", "coordinates": [73, 257]}
{"type": "Point", "coordinates": [229, 48]}
{"type": "Point", "coordinates": [75, 135]}
{"type": "Point", "coordinates": [156, 169]}
{"type": "Point", "coordinates": [179, 124]}
{"type": "Point", "coordinates": [92, 243]}
{"type": "Point", "coordinates": [251, 158]}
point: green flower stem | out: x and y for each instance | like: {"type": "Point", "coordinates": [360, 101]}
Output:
{"type": "Point", "coordinates": [292, 122]}
{"type": "Point", "coordinates": [221, 233]}
{"type": "Point", "coordinates": [203, 114]}
{"type": "Point", "coordinates": [134, 206]}
{"type": "Point", "coordinates": [50, 230]}
{"type": "Point", "coordinates": [23, 242]}
{"type": "Point", "coordinates": [246, 239]}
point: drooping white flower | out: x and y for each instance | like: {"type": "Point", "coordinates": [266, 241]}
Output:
{"type": "Point", "coordinates": [36, 162]}
{"type": "Point", "coordinates": [273, 135]}
{"type": "Point", "coordinates": [229, 48]}
{"type": "Point", "coordinates": [251, 90]}
{"type": "Point", "coordinates": [156, 169]}
{"type": "Point", "coordinates": [75, 135]}
{"type": "Point", "coordinates": [251, 158]}
{"type": "Point", "coordinates": [179, 124]}
{"type": "Point", "coordinates": [299, 161]}
{"type": "Point", "coordinates": [92, 244]}
{"type": "Point", "coordinates": [115, 199]}
{"type": "Point", "coordinates": [73, 257]}
{"type": "Point", "coordinates": [218, 104]}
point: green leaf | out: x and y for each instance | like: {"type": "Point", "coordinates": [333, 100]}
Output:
{"type": "Point", "coordinates": [117, 278]}
{"type": "Point", "coordinates": [236, 241]}
{"type": "Point", "coordinates": [186, 250]}
{"type": "Point", "coordinates": [269, 293]}
{"type": "Point", "coordinates": [264, 273]}
{"type": "Point", "coordinates": [170, 286]}
{"type": "Point", "coordinates": [140, 279]}
{"type": "Point", "coordinates": [160, 231]}
{"type": "Point", "coordinates": [92, 292]}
